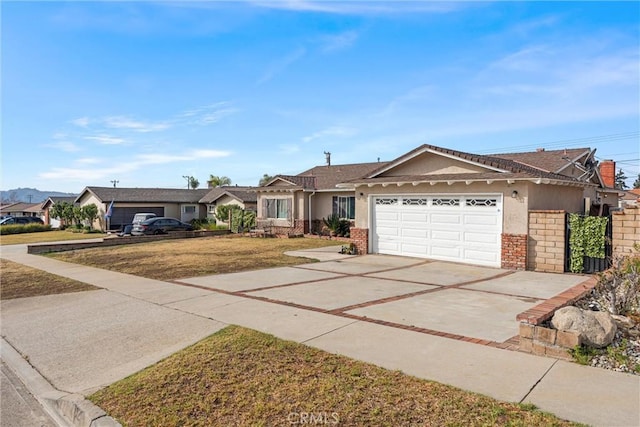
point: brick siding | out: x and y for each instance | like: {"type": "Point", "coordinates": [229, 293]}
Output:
{"type": "Point", "coordinates": [360, 237]}
{"type": "Point", "coordinates": [626, 230]}
{"type": "Point", "coordinates": [546, 245]}
{"type": "Point", "coordinates": [514, 251]}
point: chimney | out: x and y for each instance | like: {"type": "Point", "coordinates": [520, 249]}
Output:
{"type": "Point", "coordinates": [539, 150]}
{"type": "Point", "coordinates": [608, 173]}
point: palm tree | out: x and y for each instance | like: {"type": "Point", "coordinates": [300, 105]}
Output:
{"type": "Point", "coordinates": [265, 178]}
{"type": "Point", "coordinates": [193, 182]}
{"type": "Point", "coordinates": [218, 181]}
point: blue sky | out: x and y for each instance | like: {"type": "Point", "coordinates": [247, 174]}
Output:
{"type": "Point", "coordinates": [148, 92]}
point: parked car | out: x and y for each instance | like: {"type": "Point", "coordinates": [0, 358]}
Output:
{"type": "Point", "coordinates": [21, 220]}
{"type": "Point", "coordinates": [142, 216]}
{"type": "Point", "coordinates": [159, 225]}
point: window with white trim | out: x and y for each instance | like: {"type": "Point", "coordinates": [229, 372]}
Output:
{"type": "Point", "coordinates": [212, 209]}
{"type": "Point", "coordinates": [277, 208]}
{"type": "Point", "coordinates": [344, 207]}
{"type": "Point", "coordinates": [189, 209]}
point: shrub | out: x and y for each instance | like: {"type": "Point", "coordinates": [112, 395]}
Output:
{"type": "Point", "coordinates": [619, 287]}
{"type": "Point", "coordinates": [27, 228]}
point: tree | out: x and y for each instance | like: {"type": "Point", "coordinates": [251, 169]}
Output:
{"type": "Point", "coordinates": [620, 180]}
{"type": "Point", "coordinates": [636, 183]}
{"type": "Point", "coordinates": [63, 211]}
{"type": "Point", "coordinates": [77, 214]}
{"type": "Point", "coordinates": [222, 212]}
{"type": "Point", "coordinates": [193, 182]}
{"type": "Point", "coordinates": [265, 178]}
{"type": "Point", "coordinates": [90, 213]}
{"type": "Point", "coordinates": [218, 181]}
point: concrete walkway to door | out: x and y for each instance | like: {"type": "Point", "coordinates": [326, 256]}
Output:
{"type": "Point", "coordinates": [391, 311]}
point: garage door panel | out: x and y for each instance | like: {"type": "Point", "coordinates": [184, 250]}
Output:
{"type": "Point", "coordinates": [465, 230]}
{"type": "Point", "coordinates": [444, 235]}
{"type": "Point", "coordinates": [484, 219]}
{"type": "Point", "coordinates": [446, 219]}
{"type": "Point", "coordinates": [385, 215]}
{"type": "Point", "coordinates": [416, 217]}
{"type": "Point", "coordinates": [413, 234]}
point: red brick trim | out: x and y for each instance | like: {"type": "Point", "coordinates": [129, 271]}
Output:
{"type": "Point", "coordinates": [514, 251]}
{"type": "Point", "coordinates": [360, 237]}
{"type": "Point", "coordinates": [544, 311]}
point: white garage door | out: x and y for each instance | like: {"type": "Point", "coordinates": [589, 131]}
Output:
{"type": "Point", "coordinates": [464, 228]}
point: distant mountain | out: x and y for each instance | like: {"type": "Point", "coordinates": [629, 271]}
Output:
{"type": "Point", "coordinates": [30, 195]}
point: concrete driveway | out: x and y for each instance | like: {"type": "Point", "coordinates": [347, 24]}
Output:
{"type": "Point", "coordinates": [398, 313]}
{"type": "Point", "coordinates": [461, 300]}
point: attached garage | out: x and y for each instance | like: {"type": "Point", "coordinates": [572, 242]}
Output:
{"type": "Point", "coordinates": [461, 228]}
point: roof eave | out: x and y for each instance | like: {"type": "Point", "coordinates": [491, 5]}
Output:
{"type": "Point", "coordinates": [468, 181]}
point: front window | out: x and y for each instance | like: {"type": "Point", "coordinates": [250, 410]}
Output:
{"type": "Point", "coordinates": [212, 209]}
{"type": "Point", "coordinates": [189, 209]}
{"type": "Point", "coordinates": [278, 208]}
{"type": "Point", "coordinates": [344, 207]}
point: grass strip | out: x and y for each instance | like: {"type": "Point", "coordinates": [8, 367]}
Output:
{"type": "Point", "coordinates": [243, 377]}
{"type": "Point", "coordinates": [175, 259]}
{"type": "Point", "coordinates": [20, 281]}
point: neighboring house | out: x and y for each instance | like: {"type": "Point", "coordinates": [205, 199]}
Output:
{"type": "Point", "coordinates": [295, 204]}
{"type": "Point", "coordinates": [630, 198]}
{"type": "Point", "coordinates": [21, 209]}
{"type": "Point", "coordinates": [444, 204]}
{"type": "Point", "coordinates": [177, 203]}
{"type": "Point", "coordinates": [245, 197]}
{"type": "Point", "coordinates": [48, 204]}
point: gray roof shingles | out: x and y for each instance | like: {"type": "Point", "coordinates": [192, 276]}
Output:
{"type": "Point", "coordinates": [147, 195]}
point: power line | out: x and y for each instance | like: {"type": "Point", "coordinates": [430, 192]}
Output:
{"type": "Point", "coordinates": [570, 142]}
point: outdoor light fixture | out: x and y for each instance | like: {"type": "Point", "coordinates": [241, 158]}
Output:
{"type": "Point", "coordinates": [514, 194]}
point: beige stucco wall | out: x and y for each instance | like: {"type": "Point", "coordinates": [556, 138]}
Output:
{"type": "Point", "coordinates": [556, 197]}
{"type": "Point", "coordinates": [430, 164]}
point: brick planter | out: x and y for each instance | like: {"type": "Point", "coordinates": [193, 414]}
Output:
{"type": "Point", "coordinates": [537, 338]}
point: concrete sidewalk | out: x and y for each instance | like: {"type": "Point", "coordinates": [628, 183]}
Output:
{"type": "Point", "coordinates": [58, 342]}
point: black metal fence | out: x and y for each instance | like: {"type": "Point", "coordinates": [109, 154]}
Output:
{"type": "Point", "coordinates": [591, 265]}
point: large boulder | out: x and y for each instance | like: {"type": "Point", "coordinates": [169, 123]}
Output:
{"type": "Point", "coordinates": [595, 328]}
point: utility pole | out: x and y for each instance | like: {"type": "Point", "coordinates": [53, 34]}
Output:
{"type": "Point", "coordinates": [114, 182]}
{"type": "Point", "coordinates": [188, 178]}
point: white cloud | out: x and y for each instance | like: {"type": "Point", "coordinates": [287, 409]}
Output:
{"type": "Point", "coordinates": [361, 7]}
{"type": "Point", "coordinates": [81, 122]}
{"type": "Point", "coordinates": [335, 42]}
{"type": "Point", "coordinates": [334, 131]}
{"type": "Point", "coordinates": [281, 64]}
{"type": "Point", "coordinates": [66, 146]}
{"type": "Point", "coordinates": [208, 114]}
{"type": "Point", "coordinates": [89, 161]}
{"type": "Point", "coordinates": [123, 122]}
{"type": "Point", "coordinates": [106, 139]}
{"type": "Point", "coordinates": [209, 154]}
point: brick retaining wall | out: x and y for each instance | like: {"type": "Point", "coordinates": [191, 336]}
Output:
{"type": "Point", "coordinates": [42, 248]}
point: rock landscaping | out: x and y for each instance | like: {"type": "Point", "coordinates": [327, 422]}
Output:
{"type": "Point", "coordinates": [608, 319]}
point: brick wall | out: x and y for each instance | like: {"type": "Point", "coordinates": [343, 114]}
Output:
{"type": "Point", "coordinates": [626, 230]}
{"type": "Point", "coordinates": [299, 228]}
{"type": "Point", "coordinates": [544, 341]}
{"type": "Point", "coordinates": [360, 237]}
{"type": "Point", "coordinates": [546, 243]}
{"type": "Point", "coordinates": [514, 251]}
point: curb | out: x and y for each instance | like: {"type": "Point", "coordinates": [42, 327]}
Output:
{"type": "Point", "coordinates": [66, 409]}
